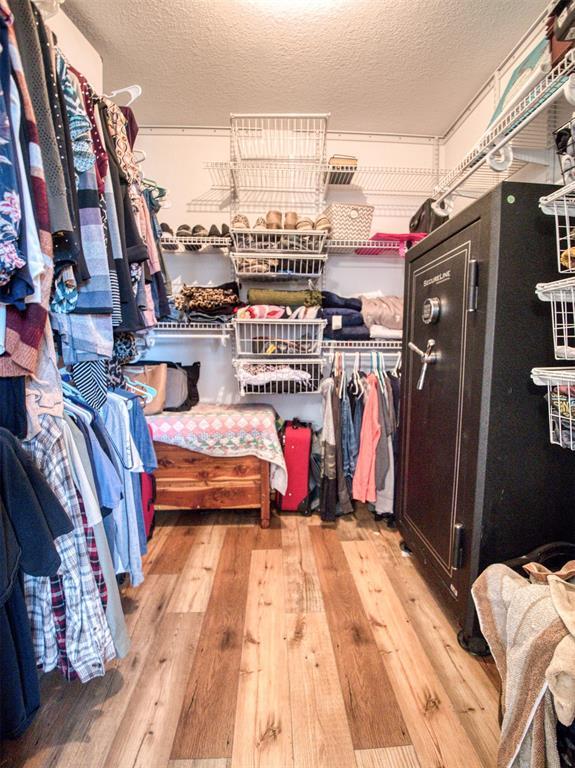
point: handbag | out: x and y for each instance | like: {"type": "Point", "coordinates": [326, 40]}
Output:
{"type": "Point", "coordinates": [425, 219]}
{"type": "Point", "coordinates": [148, 381]}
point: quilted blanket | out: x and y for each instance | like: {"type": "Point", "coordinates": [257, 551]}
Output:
{"type": "Point", "coordinates": [220, 430]}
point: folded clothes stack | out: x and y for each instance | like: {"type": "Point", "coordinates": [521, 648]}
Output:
{"type": "Point", "coordinates": [199, 303]}
{"type": "Point", "coordinates": [274, 312]}
{"type": "Point", "coordinates": [284, 298]}
{"type": "Point", "coordinates": [362, 318]}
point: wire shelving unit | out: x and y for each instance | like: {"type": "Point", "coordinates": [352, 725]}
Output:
{"type": "Point", "coordinates": [529, 112]}
{"type": "Point", "coordinates": [561, 296]}
{"type": "Point", "coordinates": [280, 338]}
{"type": "Point", "coordinates": [561, 205]}
{"type": "Point", "coordinates": [560, 383]}
{"type": "Point", "coordinates": [282, 376]}
{"type": "Point", "coordinates": [278, 267]}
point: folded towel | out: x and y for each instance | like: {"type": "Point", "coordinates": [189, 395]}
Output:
{"type": "Point", "coordinates": [260, 312]}
{"type": "Point", "coordinates": [330, 299]}
{"type": "Point", "coordinates": [354, 333]}
{"type": "Point", "coordinates": [385, 310]}
{"type": "Point", "coordinates": [284, 298]}
{"type": "Point", "coordinates": [341, 318]}
{"type": "Point", "coordinates": [381, 332]}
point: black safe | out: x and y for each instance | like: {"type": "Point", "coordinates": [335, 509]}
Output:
{"type": "Point", "coordinates": [479, 481]}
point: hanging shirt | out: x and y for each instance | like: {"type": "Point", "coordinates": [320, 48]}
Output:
{"type": "Point", "coordinates": [127, 555]}
{"type": "Point", "coordinates": [364, 478]}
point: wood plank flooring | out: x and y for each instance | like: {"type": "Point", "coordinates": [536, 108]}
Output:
{"type": "Point", "coordinates": [301, 646]}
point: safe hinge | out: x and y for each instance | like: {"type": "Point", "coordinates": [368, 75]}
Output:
{"type": "Point", "coordinates": [472, 285]}
{"type": "Point", "coordinates": [457, 559]}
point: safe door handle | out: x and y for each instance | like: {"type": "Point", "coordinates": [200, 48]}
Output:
{"type": "Point", "coordinates": [429, 357]}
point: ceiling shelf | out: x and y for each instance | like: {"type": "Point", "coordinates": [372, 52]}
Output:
{"type": "Point", "coordinates": [529, 111]}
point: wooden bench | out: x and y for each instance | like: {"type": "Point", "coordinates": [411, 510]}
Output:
{"type": "Point", "coordinates": [190, 480]}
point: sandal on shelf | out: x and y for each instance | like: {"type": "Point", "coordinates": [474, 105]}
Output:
{"type": "Point", "coordinates": [323, 223]}
{"type": "Point", "coordinates": [290, 220]}
{"type": "Point", "coordinates": [240, 221]}
{"type": "Point", "coordinates": [274, 220]}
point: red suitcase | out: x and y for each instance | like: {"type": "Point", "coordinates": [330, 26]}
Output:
{"type": "Point", "coordinates": [296, 441]}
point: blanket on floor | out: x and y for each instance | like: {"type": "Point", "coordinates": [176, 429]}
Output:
{"type": "Point", "coordinates": [530, 628]}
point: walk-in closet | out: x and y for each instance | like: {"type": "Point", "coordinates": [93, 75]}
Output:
{"type": "Point", "coordinates": [287, 384]}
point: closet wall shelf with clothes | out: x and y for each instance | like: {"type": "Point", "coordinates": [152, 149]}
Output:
{"type": "Point", "coordinates": [561, 205]}
{"type": "Point", "coordinates": [560, 383]}
{"type": "Point", "coordinates": [531, 111]}
{"type": "Point", "coordinates": [278, 266]}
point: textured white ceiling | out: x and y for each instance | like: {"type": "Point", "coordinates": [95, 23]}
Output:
{"type": "Point", "coordinates": [397, 66]}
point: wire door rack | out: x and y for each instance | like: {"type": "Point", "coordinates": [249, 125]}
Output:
{"type": "Point", "coordinates": [283, 376]}
{"type": "Point", "coordinates": [561, 295]}
{"type": "Point", "coordinates": [561, 205]}
{"type": "Point", "coordinates": [278, 267]}
{"type": "Point", "coordinates": [560, 383]}
{"type": "Point", "coordinates": [278, 338]}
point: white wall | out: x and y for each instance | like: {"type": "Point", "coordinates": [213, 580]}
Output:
{"type": "Point", "coordinates": [78, 50]}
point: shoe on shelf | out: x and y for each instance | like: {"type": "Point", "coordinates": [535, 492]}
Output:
{"type": "Point", "coordinates": [274, 220]}
{"type": "Point", "coordinates": [240, 221]}
{"type": "Point", "coordinates": [214, 231]}
{"type": "Point", "coordinates": [225, 230]}
{"type": "Point", "coordinates": [290, 220]}
{"type": "Point", "coordinates": [304, 223]}
{"type": "Point", "coordinates": [184, 230]}
{"type": "Point", "coordinates": [323, 223]}
{"type": "Point", "coordinates": [168, 231]}
{"type": "Point", "coordinates": [260, 223]}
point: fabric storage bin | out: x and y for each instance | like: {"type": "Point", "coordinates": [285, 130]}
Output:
{"type": "Point", "coordinates": [349, 222]}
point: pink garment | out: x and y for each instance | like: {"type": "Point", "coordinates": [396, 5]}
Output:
{"type": "Point", "coordinates": [260, 312]}
{"type": "Point", "coordinates": [364, 477]}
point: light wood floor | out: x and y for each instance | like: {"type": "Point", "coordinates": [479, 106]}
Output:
{"type": "Point", "coordinates": [297, 647]}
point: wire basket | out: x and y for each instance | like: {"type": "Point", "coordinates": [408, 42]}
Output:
{"type": "Point", "coordinates": [278, 137]}
{"type": "Point", "coordinates": [561, 295]}
{"type": "Point", "coordinates": [563, 209]}
{"type": "Point", "coordinates": [560, 383]}
{"type": "Point", "coordinates": [278, 267]}
{"type": "Point", "coordinates": [290, 376]}
{"type": "Point", "coordinates": [290, 240]}
{"type": "Point", "coordinates": [278, 338]}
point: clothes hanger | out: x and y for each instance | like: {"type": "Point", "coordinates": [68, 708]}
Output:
{"type": "Point", "coordinates": [395, 371]}
{"type": "Point", "coordinates": [134, 91]}
{"type": "Point", "coordinates": [145, 391]}
{"type": "Point", "coordinates": [139, 155]}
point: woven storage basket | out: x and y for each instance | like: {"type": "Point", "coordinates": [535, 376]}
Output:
{"type": "Point", "coordinates": [350, 222]}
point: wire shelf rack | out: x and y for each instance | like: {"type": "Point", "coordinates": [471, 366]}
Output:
{"type": "Point", "coordinates": [213, 200]}
{"type": "Point", "coordinates": [278, 136]}
{"type": "Point", "coordinates": [176, 330]}
{"type": "Point", "coordinates": [381, 180]}
{"type": "Point", "coordinates": [286, 240]}
{"type": "Point", "coordinates": [373, 345]}
{"type": "Point", "coordinates": [368, 247]}
{"type": "Point", "coordinates": [195, 242]}
{"type": "Point", "coordinates": [561, 295]}
{"type": "Point", "coordinates": [560, 383]}
{"type": "Point", "coordinates": [561, 205]}
{"type": "Point", "coordinates": [286, 376]}
{"type": "Point", "coordinates": [495, 138]}
{"type": "Point", "coordinates": [278, 267]}
{"type": "Point", "coordinates": [279, 338]}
